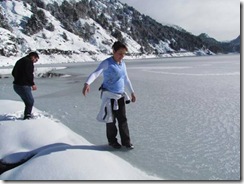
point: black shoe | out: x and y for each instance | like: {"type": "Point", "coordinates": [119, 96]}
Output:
{"type": "Point", "coordinates": [115, 145]}
{"type": "Point", "coordinates": [28, 116]}
{"type": "Point", "coordinates": [129, 146]}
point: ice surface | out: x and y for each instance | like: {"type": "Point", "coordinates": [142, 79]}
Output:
{"type": "Point", "coordinates": [185, 124]}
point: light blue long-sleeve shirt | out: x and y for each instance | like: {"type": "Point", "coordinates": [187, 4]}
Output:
{"type": "Point", "coordinates": [115, 76]}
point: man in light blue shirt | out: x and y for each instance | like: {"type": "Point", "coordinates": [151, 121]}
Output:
{"type": "Point", "coordinates": [115, 79]}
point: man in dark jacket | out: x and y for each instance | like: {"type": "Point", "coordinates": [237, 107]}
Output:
{"type": "Point", "coordinates": [24, 81]}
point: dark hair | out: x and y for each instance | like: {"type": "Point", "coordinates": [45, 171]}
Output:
{"type": "Point", "coordinates": [33, 54]}
{"type": "Point", "coordinates": [118, 45]}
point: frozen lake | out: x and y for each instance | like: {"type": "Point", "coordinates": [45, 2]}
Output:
{"type": "Point", "coordinates": [185, 124]}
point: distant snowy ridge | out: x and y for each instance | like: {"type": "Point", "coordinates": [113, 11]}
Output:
{"type": "Point", "coordinates": [49, 150]}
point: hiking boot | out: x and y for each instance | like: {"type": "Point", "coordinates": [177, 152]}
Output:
{"type": "Point", "coordinates": [129, 146]}
{"type": "Point", "coordinates": [115, 145]}
{"type": "Point", "coordinates": [28, 116]}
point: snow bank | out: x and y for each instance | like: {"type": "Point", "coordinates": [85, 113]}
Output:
{"type": "Point", "coordinates": [51, 151]}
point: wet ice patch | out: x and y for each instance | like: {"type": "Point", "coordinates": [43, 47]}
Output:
{"type": "Point", "coordinates": [40, 72]}
{"type": "Point", "coordinates": [165, 70]}
{"type": "Point", "coordinates": [4, 72]}
{"type": "Point", "coordinates": [194, 74]}
{"type": "Point", "coordinates": [48, 72]}
{"type": "Point", "coordinates": [146, 68]}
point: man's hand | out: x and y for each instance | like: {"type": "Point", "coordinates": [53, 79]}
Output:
{"type": "Point", "coordinates": [86, 89]}
{"type": "Point", "coordinates": [133, 97]}
{"type": "Point", "coordinates": [34, 87]}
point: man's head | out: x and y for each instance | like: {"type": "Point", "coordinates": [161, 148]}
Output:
{"type": "Point", "coordinates": [34, 56]}
{"type": "Point", "coordinates": [119, 51]}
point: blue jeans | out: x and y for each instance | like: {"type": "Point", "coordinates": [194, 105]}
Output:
{"type": "Point", "coordinates": [26, 95]}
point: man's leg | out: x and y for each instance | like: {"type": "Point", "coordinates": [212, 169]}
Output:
{"type": "Point", "coordinates": [111, 132]}
{"type": "Point", "coordinates": [26, 95]}
{"type": "Point", "coordinates": [120, 114]}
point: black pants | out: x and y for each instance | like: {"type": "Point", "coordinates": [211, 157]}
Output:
{"type": "Point", "coordinates": [111, 128]}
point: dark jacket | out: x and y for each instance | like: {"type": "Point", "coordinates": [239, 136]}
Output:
{"type": "Point", "coordinates": [23, 72]}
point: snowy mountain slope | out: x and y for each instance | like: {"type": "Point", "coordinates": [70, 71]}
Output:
{"type": "Point", "coordinates": [16, 13]}
{"type": "Point", "coordinates": [58, 40]}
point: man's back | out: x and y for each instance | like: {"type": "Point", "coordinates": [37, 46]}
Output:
{"type": "Point", "coordinates": [23, 72]}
